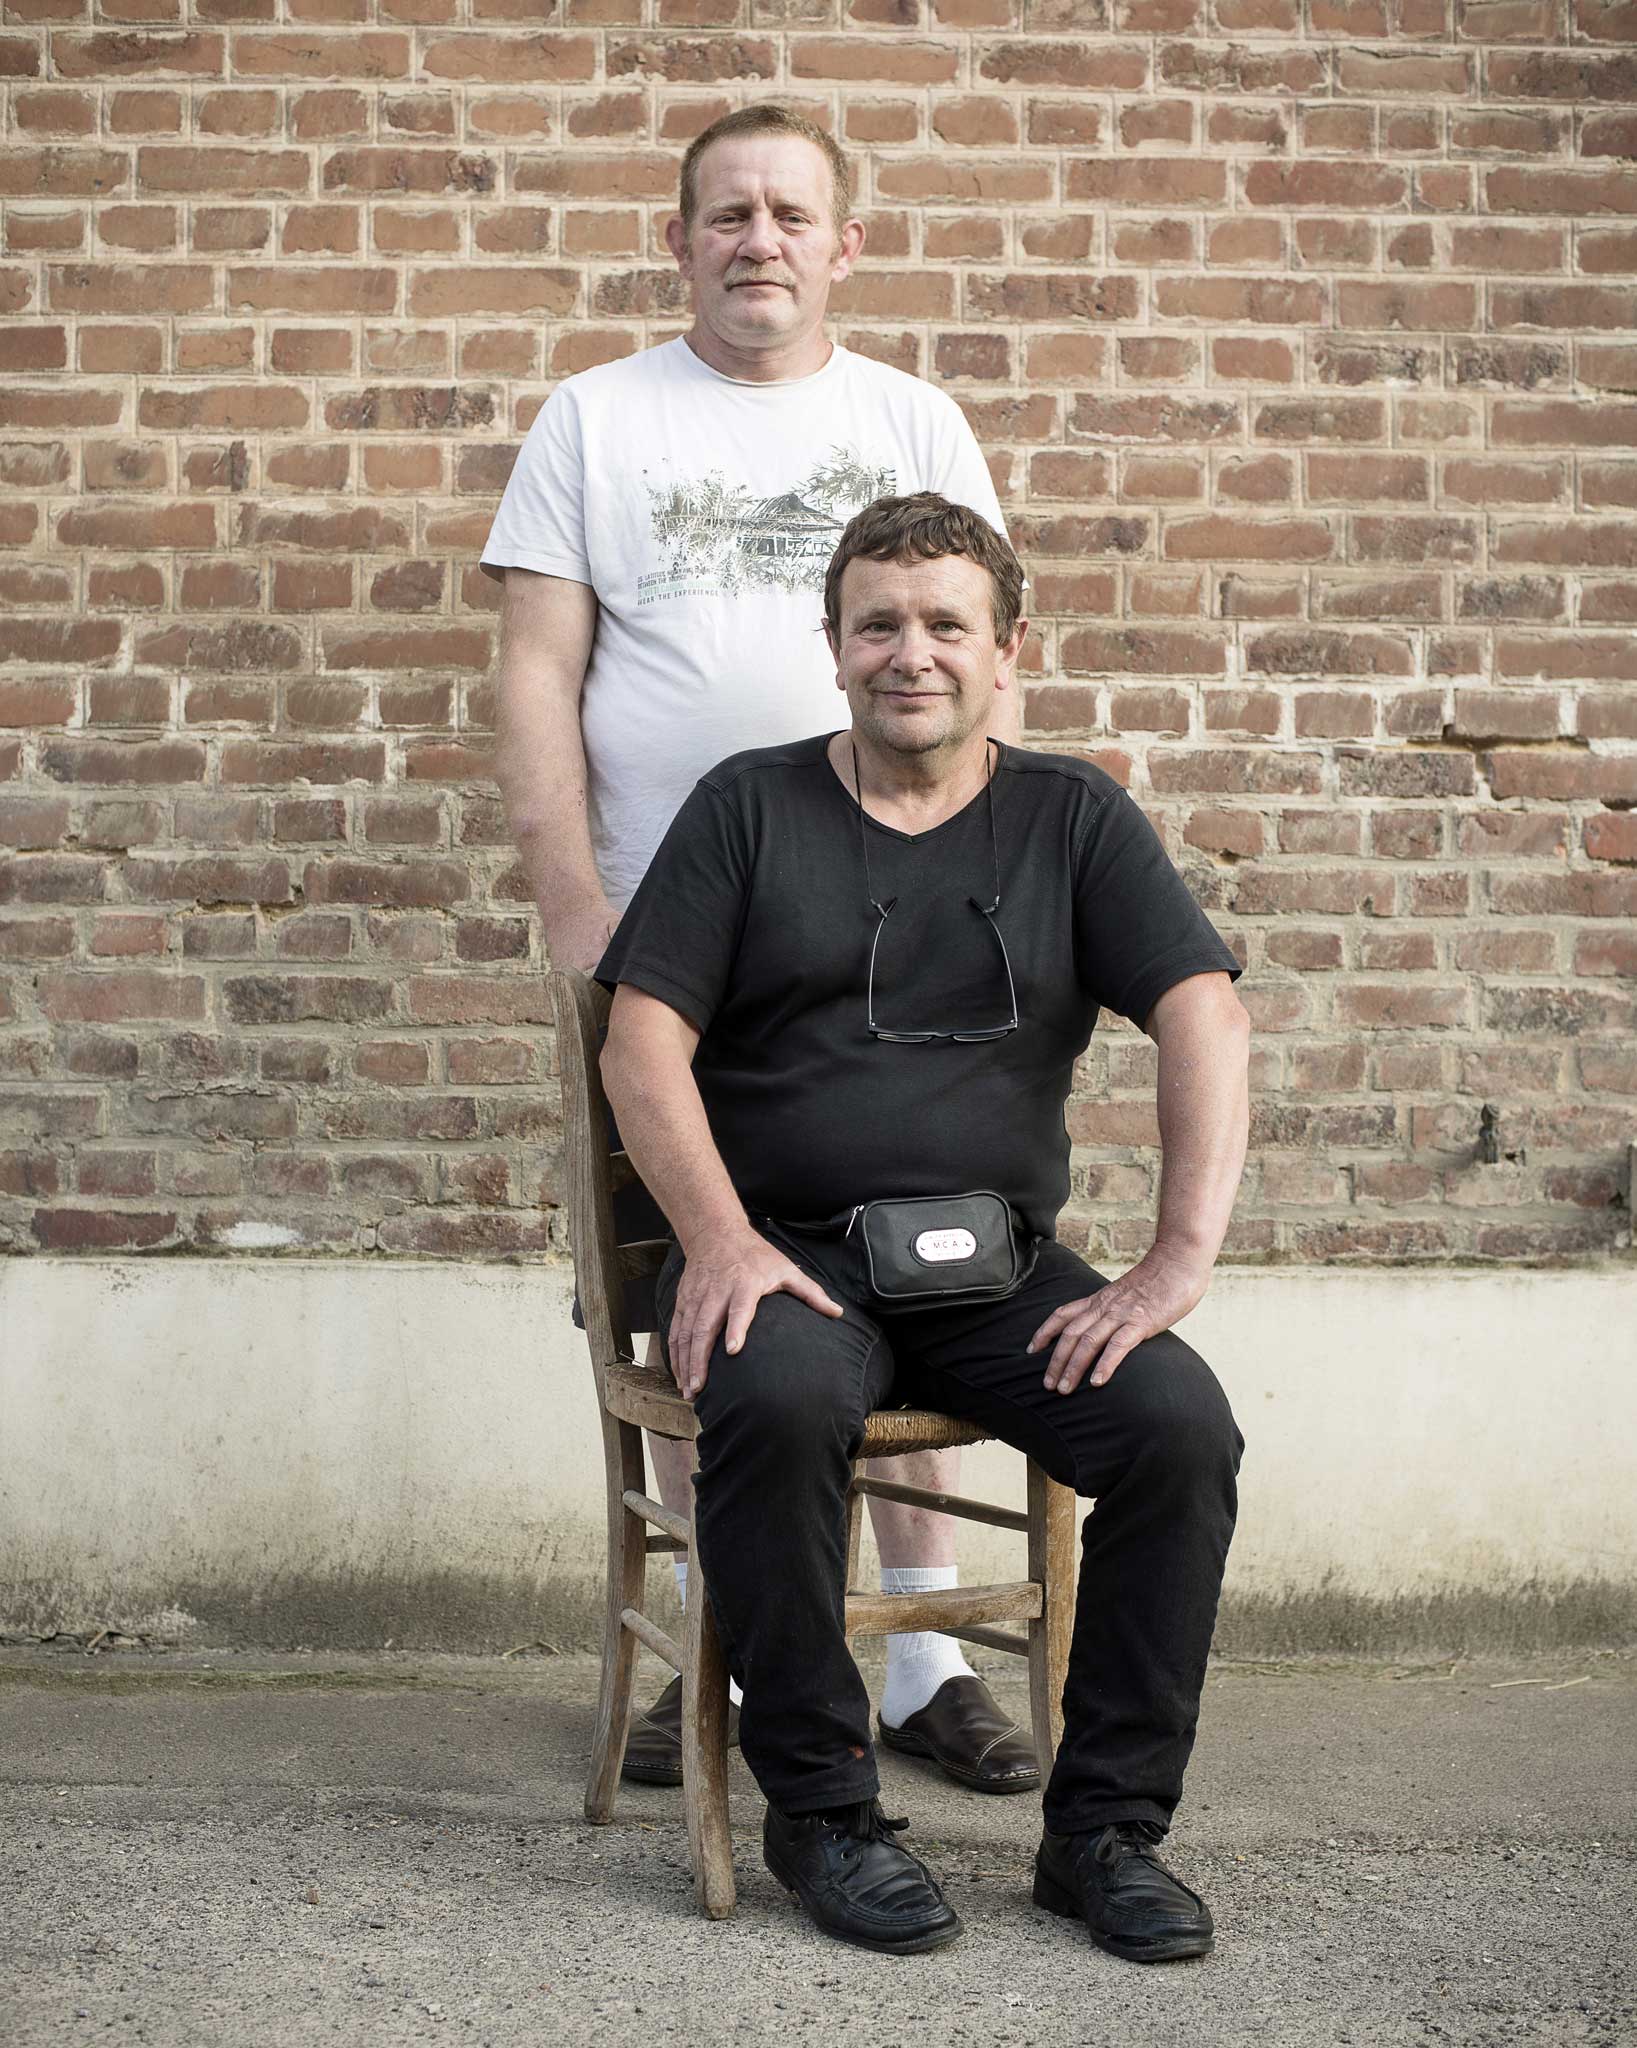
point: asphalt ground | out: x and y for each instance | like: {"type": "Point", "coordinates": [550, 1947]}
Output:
{"type": "Point", "coordinates": [253, 1850]}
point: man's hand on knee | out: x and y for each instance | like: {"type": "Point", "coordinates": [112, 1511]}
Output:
{"type": "Point", "coordinates": [723, 1280]}
{"type": "Point", "coordinates": [1158, 1291]}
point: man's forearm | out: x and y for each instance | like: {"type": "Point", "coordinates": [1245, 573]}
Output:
{"type": "Point", "coordinates": [656, 1103]}
{"type": "Point", "coordinates": [541, 770]}
{"type": "Point", "coordinates": [540, 756]}
{"type": "Point", "coordinates": [1204, 1116]}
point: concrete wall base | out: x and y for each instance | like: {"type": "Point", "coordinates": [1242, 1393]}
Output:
{"type": "Point", "coordinates": [345, 1454]}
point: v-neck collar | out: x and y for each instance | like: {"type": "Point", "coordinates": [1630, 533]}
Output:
{"type": "Point", "coordinates": [893, 831]}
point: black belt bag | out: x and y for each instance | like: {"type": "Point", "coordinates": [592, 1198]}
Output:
{"type": "Point", "coordinates": [925, 1250]}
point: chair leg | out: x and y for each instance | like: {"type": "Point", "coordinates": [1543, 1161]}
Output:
{"type": "Point", "coordinates": [1051, 1562]}
{"type": "Point", "coordinates": [705, 1751]}
{"type": "Point", "coordinates": [855, 1531]}
{"type": "Point", "coordinates": [627, 1569]}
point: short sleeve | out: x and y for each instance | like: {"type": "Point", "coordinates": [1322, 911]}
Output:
{"type": "Point", "coordinates": [541, 521]}
{"type": "Point", "coordinates": [961, 473]}
{"type": "Point", "coordinates": [1138, 932]}
{"type": "Point", "coordinates": [680, 933]}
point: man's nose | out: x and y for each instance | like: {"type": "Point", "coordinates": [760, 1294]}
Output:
{"type": "Point", "coordinates": [761, 242]}
{"type": "Point", "coordinates": [913, 654]}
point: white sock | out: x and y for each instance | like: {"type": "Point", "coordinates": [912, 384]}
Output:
{"type": "Point", "coordinates": [918, 1663]}
{"type": "Point", "coordinates": [680, 1566]}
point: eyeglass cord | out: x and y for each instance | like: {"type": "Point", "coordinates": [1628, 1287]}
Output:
{"type": "Point", "coordinates": [882, 909]}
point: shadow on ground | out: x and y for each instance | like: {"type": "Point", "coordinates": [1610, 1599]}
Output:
{"type": "Point", "coordinates": [262, 1850]}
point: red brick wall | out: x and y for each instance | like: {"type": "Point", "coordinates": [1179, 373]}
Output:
{"type": "Point", "coordinates": [1305, 356]}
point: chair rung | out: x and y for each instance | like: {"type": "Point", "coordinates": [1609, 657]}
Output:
{"type": "Point", "coordinates": [645, 1257]}
{"type": "Point", "coordinates": [991, 1639]}
{"type": "Point", "coordinates": [657, 1640]}
{"type": "Point", "coordinates": [890, 1614]}
{"type": "Point", "coordinates": [669, 1544]}
{"type": "Point", "coordinates": [650, 1510]}
{"type": "Point", "coordinates": [944, 1503]}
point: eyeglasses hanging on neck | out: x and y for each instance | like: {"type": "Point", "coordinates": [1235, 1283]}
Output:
{"type": "Point", "coordinates": [890, 1035]}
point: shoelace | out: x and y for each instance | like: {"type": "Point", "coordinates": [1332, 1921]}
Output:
{"type": "Point", "coordinates": [1127, 1838]}
{"type": "Point", "coordinates": [863, 1823]}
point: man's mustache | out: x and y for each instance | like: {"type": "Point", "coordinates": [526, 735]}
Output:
{"type": "Point", "coordinates": [738, 277]}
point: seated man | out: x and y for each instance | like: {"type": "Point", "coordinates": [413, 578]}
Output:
{"type": "Point", "coordinates": [850, 993]}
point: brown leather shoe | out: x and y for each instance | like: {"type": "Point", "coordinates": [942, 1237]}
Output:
{"type": "Point", "coordinates": [964, 1731]}
{"type": "Point", "coordinates": [653, 1751]}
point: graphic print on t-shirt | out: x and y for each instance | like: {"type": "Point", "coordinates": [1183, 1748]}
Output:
{"type": "Point", "coordinates": [722, 540]}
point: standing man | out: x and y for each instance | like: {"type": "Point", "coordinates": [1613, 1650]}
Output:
{"type": "Point", "coordinates": [663, 541]}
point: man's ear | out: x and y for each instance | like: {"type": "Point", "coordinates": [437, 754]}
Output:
{"type": "Point", "coordinates": [1006, 655]}
{"type": "Point", "coordinates": [834, 646]}
{"type": "Point", "coordinates": [676, 240]}
{"type": "Point", "coordinates": [849, 243]}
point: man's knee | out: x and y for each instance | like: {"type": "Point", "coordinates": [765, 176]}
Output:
{"type": "Point", "coordinates": [790, 1392]}
{"type": "Point", "coordinates": [1178, 1413]}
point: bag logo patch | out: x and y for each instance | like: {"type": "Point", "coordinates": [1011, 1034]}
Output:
{"type": "Point", "coordinates": [942, 1247]}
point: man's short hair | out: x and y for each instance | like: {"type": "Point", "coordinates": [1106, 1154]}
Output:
{"type": "Point", "coordinates": [922, 528]}
{"type": "Point", "coordinates": [767, 117]}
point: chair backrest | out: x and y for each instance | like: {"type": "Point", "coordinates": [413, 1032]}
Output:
{"type": "Point", "coordinates": [581, 1009]}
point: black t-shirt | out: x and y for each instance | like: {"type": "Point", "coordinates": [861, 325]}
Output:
{"type": "Point", "coordinates": [755, 924]}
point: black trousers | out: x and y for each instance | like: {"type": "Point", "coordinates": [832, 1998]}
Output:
{"type": "Point", "coordinates": [779, 1426]}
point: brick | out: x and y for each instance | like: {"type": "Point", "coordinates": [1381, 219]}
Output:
{"type": "Point", "coordinates": [1567, 543]}
{"type": "Point", "coordinates": [295, 998]}
{"type": "Point", "coordinates": [1142, 651]}
{"type": "Point", "coordinates": [550, 58]}
{"type": "Point", "coordinates": [61, 172]}
{"type": "Point", "coordinates": [1218, 537]}
{"type": "Point", "coordinates": [1153, 418]}
{"type": "Point", "coordinates": [1230, 772]}
{"type": "Point", "coordinates": [686, 60]}
{"type": "Point", "coordinates": [127, 937]}
{"type": "Point", "coordinates": [1408, 537]}
{"type": "Point", "coordinates": [219, 171]}
{"type": "Point", "coordinates": [1488, 481]}
{"type": "Point", "coordinates": [207, 879]}
{"type": "Point", "coordinates": [1355, 187]}
{"type": "Point", "coordinates": [1405, 74]}
{"type": "Point", "coordinates": [105, 56]}
{"type": "Point", "coordinates": [1612, 837]}
{"type": "Point", "coordinates": [124, 995]}
{"type": "Point", "coordinates": [1318, 419]}
{"type": "Point", "coordinates": [1247, 68]}
{"type": "Point", "coordinates": [958, 180]}
{"type": "Point", "coordinates": [1514, 597]}
{"type": "Point", "coordinates": [903, 60]}
{"type": "Point", "coordinates": [67, 1229]}
{"type": "Point", "coordinates": [1440, 307]}
{"type": "Point", "coordinates": [49, 641]}
{"type": "Point", "coordinates": [34, 348]}
{"type": "Point", "coordinates": [1157, 358]}
{"type": "Point", "coordinates": [1281, 302]}
{"type": "Point", "coordinates": [1384, 1006]}
{"type": "Point", "coordinates": [406, 884]}
{"type": "Point", "coordinates": [1401, 774]}
{"type": "Point", "coordinates": [1344, 479]}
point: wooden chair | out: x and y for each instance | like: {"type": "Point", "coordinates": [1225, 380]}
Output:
{"type": "Point", "coordinates": [632, 1398]}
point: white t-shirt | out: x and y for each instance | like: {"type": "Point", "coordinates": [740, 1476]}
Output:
{"type": "Point", "coordinates": [703, 512]}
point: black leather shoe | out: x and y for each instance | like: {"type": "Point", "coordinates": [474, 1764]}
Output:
{"type": "Point", "coordinates": [849, 1874]}
{"type": "Point", "coordinates": [962, 1729]}
{"type": "Point", "coordinates": [1133, 1906]}
{"type": "Point", "coordinates": [653, 1751]}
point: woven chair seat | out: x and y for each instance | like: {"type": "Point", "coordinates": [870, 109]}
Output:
{"type": "Point", "coordinates": [636, 1393]}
